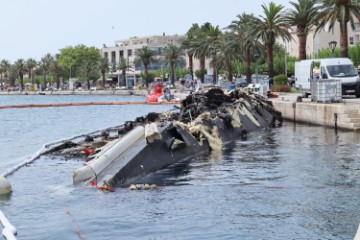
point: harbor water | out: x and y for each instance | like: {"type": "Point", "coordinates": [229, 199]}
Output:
{"type": "Point", "coordinates": [292, 182]}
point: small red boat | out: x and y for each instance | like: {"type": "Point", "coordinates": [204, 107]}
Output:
{"type": "Point", "coordinates": [154, 92]}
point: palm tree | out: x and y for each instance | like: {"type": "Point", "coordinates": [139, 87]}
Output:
{"type": "Point", "coordinates": [304, 17]}
{"type": "Point", "coordinates": [229, 50]}
{"type": "Point", "coordinates": [172, 54]}
{"type": "Point", "coordinates": [104, 68]}
{"type": "Point", "coordinates": [199, 48]}
{"type": "Point", "coordinates": [187, 47]}
{"type": "Point", "coordinates": [212, 47]}
{"type": "Point", "coordinates": [13, 74]}
{"type": "Point", "coordinates": [124, 65]}
{"type": "Point", "coordinates": [45, 65]}
{"type": "Point", "coordinates": [87, 70]}
{"type": "Point", "coordinates": [56, 69]}
{"type": "Point", "coordinates": [268, 28]}
{"type": "Point", "coordinates": [249, 44]}
{"type": "Point", "coordinates": [145, 55]}
{"type": "Point", "coordinates": [21, 68]}
{"type": "Point", "coordinates": [30, 64]}
{"type": "Point", "coordinates": [4, 68]}
{"type": "Point", "coordinates": [342, 11]}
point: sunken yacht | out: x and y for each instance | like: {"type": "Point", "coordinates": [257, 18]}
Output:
{"type": "Point", "coordinates": [203, 123]}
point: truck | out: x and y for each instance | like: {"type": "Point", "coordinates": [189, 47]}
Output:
{"type": "Point", "coordinates": [328, 68]}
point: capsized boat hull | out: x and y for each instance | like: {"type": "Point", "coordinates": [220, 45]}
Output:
{"type": "Point", "coordinates": [161, 153]}
{"type": "Point", "coordinates": [203, 124]}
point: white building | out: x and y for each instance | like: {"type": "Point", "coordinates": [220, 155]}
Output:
{"type": "Point", "coordinates": [126, 48]}
{"type": "Point", "coordinates": [316, 42]}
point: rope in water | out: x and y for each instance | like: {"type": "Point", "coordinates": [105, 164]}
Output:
{"type": "Point", "coordinates": [46, 147]}
{"type": "Point", "coordinates": [85, 104]}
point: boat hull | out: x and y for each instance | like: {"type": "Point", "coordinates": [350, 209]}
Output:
{"type": "Point", "coordinates": [204, 123]}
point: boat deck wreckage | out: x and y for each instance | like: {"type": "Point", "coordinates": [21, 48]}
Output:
{"type": "Point", "coordinates": [203, 123]}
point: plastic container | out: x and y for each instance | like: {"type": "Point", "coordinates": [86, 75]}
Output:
{"type": "Point", "coordinates": [326, 91]}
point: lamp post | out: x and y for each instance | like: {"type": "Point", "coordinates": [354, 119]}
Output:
{"type": "Point", "coordinates": [332, 46]}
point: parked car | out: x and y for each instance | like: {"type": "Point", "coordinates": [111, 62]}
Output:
{"type": "Point", "coordinates": [240, 82]}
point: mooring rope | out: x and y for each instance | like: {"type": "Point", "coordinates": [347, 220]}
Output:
{"type": "Point", "coordinates": [76, 226]}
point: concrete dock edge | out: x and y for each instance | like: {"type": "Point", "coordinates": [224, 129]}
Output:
{"type": "Point", "coordinates": [337, 115]}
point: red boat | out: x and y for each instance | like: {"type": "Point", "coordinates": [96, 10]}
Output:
{"type": "Point", "coordinates": [154, 92]}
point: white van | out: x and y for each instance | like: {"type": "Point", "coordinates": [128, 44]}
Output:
{"type": "Point", "coordinates": [330, 68]}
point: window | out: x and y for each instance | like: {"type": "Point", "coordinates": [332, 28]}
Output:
{"type": "Point", "coordinates": [121, 53]}
{"type": "Point", "coordinates": [106, 56]}
{"type": "Point", "coordinates": [129, 52]}
{"type": "Point", "coordinates": [351, 40]}
{"type": "Point", "coordinates": [113, 56]}
{"type": "Point", "coordinates": [323, 73]}
{"type": "Point", "coordinates": [113, 61]}
{"type": "Point", "coordinates": [357, 27]}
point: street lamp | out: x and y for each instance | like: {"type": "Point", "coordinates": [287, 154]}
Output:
{"type": "Point", "coordinates": [332, 46]}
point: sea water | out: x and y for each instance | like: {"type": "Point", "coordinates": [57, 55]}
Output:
{"type": "Point", "coordinates": [292, 182]}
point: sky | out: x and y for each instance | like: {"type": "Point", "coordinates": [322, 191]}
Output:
{"type": "Point", "coordinates": [33, 28]}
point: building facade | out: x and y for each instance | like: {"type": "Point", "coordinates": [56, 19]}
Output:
{"type": "Point", "coordinates": [321, 39]}
{"type": "Point", "coordinates": [126, 48]}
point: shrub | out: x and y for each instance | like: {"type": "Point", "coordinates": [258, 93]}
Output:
{"type": "Point", "coordinates": [281, 80]}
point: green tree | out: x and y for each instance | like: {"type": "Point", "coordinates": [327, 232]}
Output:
{"type": "Point", "coordinates": [88, 70]}
{"type": "Point", "coordinates": [341, 11]}
{"type": "Point", "coordinates": [291, 65]}
{"type": "Point", "coordinates": [186, 45]}
{"type": "Point", "coordinates": [13, 74]}
{"type": "Point", "coordinates": [268, 28]}
{"type": "Point", "coordinates": [104, 68]}
{"type": "Point", "coordinates": [212, 48]}
{"type": "Point", "coordinates": [56, 70]}
{"type": "Point", "coordinates": [71, 58]}
{"type": "Point", "coordinates": [239, 67]}
{"type": "Point", "coordinates": [4, 68]}
{"type": "Point", "coordinates": [45, 65]}
{"type": "Point", "coordinates": [199, 48]}
{"type": "Point", "coordinates": [304, 17]}
{"type": "Point", "coordinates": [249, 44]}
{"type": "Point", "coordinates": [229, 51]}
{"type": "Point", "coordinates": [180, 72]}
{"type": "Point", "coordinates": [354, 54]}
{"type": "Point", "coordinates": [326, 53]}
{"type": "Point", "coordinates": [123, 66]}
{"type": "Point", "coordinates": [20, 65]}
{"type": "Point", "coordinates": [145, 55]}
{"type": "Point", "coordinates": [30, 65]}
{"type": "Point", "coordinates": [171, 54]}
